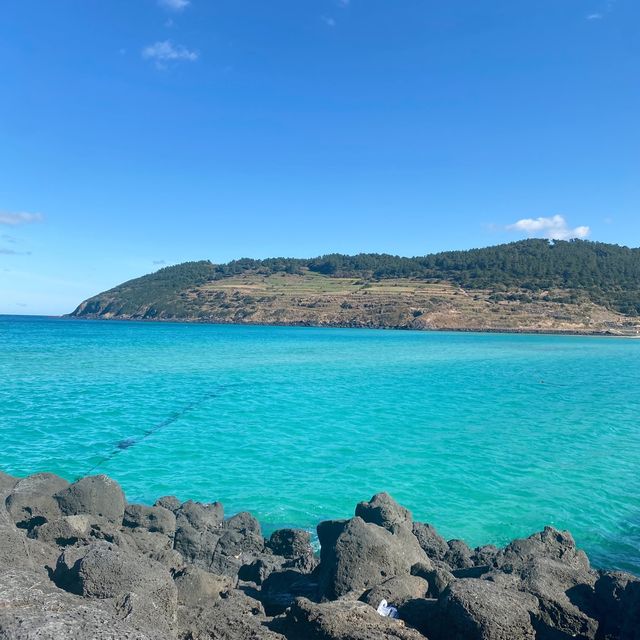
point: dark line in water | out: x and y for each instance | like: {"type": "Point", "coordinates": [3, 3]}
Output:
{"type": "Point", "coordinates": [127, 443]}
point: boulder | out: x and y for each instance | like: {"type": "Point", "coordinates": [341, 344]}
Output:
{"type": "Point", "coordinates": [258, 570]}
{"type": "Point", "coordinates": [31, 501]}
{"type": "Point", "coordinates": [7, 483]}
{"type": "Point", "coordinates": [473, 609]}
{"type": "Point", "coordinates": [154, 519]}
{"type": "Point", "coordinates": [548, 566]}
{"type": "Point", "coordinates": [613, 604]}
{"type": "Point", "coordinates": [437, 576]}
{"type": "Point", "coordinates": [433, 544]}
{"type": "Point", "coordinates": [145, 542]}
{"type": "Point", "coordinates": [384, 511]}
{"type": "Point", "coordinates": [198, 588]}
{"type": "Point", "coordinates": [240, 542]}
{"type": "Point", "coordinates": [281, 588]}
{"type": "Point", "coordinates": [32, 608]}
{"type": "Point", "coordinates": [485, 555]}
{"type": "Point", "coordinates": [171, 503]}
{"type": "Point", "coordinates": [232, 617]}
{"type": "Point", "coordinates": [343, 620]}
{"type": "Point", "coordinates": [290, 543]}
{"type": "Point", "coordinates": [357, 555]}
{"type": "Point", "coordinates": [549, 543]}
{"type": "Point", "coordinates": [64, 531]}
{"type": "Point", "coordinates": [96, 495]}
{"type": "Point", "coordinates": [140, 611]}
{"type": "Point", "coordinates": [397, 591]}
{"type": "Point", "coordinates": [19, 552]}
{"type": "Point", "coordinates": [198, 529]}
{"type": "Point", "coordinates": [565, 597]}
{"type": "Point", "coordinates": [459, 555]}
{"type": "Point", "coordinates": [105, 571]}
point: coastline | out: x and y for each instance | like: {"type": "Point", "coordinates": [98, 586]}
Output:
{"type": "Point", "coordinates": [79, 555]}
{"type": "Point", "coordinates": [304, 325]}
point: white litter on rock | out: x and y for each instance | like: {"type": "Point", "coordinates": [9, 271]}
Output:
{"type": "Point", "coordinates": [385, 610]}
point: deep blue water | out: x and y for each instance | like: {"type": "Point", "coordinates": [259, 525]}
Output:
{"type": "Point", "coordinates": [486, 436]}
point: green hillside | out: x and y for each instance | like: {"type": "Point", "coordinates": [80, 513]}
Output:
{"type": "Point", "coordinates": [570, 271]}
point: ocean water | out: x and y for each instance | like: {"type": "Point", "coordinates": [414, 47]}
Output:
{"type": "Point", "coordinates": [486, 436]}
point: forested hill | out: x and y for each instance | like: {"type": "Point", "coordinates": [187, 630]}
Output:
{"type": "Point", "coordinates": [570, 272]}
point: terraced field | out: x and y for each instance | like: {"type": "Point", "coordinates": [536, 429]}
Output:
{"type": "Point", "coordinates": [318, 300]}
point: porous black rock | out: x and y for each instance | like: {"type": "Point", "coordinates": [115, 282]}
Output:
{"type": "Point", "coordinates": [77, 562]}
{"type": "Point", "coordinates": [95, 495]}
{"type": "Point", "coordinates": [31, 501]}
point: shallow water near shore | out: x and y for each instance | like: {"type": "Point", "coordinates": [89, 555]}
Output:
{"type": "Point", "coordinates": [486, 436]}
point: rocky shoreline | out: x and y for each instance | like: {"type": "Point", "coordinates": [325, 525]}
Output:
{"type": "Point", "coordinates": [77, 561]}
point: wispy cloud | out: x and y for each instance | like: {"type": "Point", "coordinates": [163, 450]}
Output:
{"type": "Point", "coordinates": [552, 228]}
{"type": "Point", "coordinates": [601, 13]}
{"type": "Point", "coordinates": [22, 217]}
{"type": "Point", "coordinates": [160, 262]}
{"type": "Point", "coordinates": [330, 22]}
{"type": "Point", "coordinates": [344, 3]}
{"type": "Point", "coordinates": [12, 252]}
{"type": "Point", "coordinates": [164, 52]}
{"type": "Point", "coordinates": [174, 5]}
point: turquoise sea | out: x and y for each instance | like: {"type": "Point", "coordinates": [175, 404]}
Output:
{"type": "Point", "coordinates": [486, 436]}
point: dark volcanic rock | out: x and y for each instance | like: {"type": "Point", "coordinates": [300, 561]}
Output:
{"type": "Point", "coordinates": [459, 555]}
{"type": "Point", "coordinates": [549, 543]}
{"type": "Point", "coordinates": [198, 588]}
{"type": "Point", "coordinates": [34, 609]}
{"type": "Point", "coordinates": [485, 555]}
{"type": "Point", "coordinates": [198, 529]}
{"type": "Point", "coordinates": [240, 542]}
{"type": "Point", "coordinates": [615, 607]}
{"type": "Point", "coordinates": [31, 501]}
{"type": "Point", "coordinates": [168, 502]}
{"type": "Point", "coordinates": [96, 495]}
{"type": "Point", "coordinates": [384, 511]}
{"type": "Point", "coordinates": [82, 564]}
{"type": "Point", "coordinates": [343, 620]}
{"type": "Point", "coordinates": [290, 543]}
{"type": "Point", "coordinates": [153, 519]}
{"type": "Point", "coordinates": [438, 577]}
{"type": "Point", "coordinates": [233, 617]}
{"type": "Point", "coordinates": [7, 482]}
{"type": "Point", "coordinates": [473, 609]}
{"type": "Point", "coordinates": [433, 544]}
{"type": "Point", "coordinates": [548, 565]}
{"type": "Point", "coordinates": [363, 555]}
{"type": "Point", "coordinates": [105, 571]}
{"type": "Point", "coordinates": [281, 588]}
{"type": "Point", "coordinates": [397, 591]}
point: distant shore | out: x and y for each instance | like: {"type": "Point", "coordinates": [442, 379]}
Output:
{"type": "Point", "coordinates": [504, 330]}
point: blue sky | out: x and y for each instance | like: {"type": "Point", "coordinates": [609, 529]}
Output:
{"type": "Point", "coordinates": [137, 133]}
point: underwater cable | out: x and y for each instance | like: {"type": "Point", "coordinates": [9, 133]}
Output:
{"type": "Point", "coordinates": [127, 443]}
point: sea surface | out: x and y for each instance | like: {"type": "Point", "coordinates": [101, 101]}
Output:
{"type": "Point", "coordinates": [486, 436]}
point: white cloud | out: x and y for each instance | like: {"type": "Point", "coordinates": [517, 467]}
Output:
{"type": "Point", "coordinates": [174, 5]}
{"type": "Point", "coordinates": [165, 51]}
{"type": "Point", "coordinates": [553, 228]}
{"type": "Point", "coordinates": [14, 219]}
{"type": "Point", "coordinates": [12, 252]}
{"type": "Point", "coordinates": [330, 22]}
{"type": "Point", "coordinates": [595, 16]}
